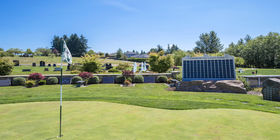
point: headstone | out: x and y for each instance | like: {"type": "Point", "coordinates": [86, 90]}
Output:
{"type": "Point", "coordinates": [42, 64]}
{"type": "Point", "coordinates": [26, 70]}
{"type": "Point", "coordinates": [49, 65]}
{"type": "Point", "coordinates": [46, 69]}
{"type": "Point", "coordinates": [68, 67]}
{"type": "Point", "coordinates": [54, 65]}
{"type": "Point", "coordinates": [16, 62]}
{"type": "Point", "coordinates": [34, 64]}
{"type": "Point", "coordinates": [108, 80]}
{"type": "Point", "coordinates": [56, 69]}
{"type": "Point", "coordinates": [66, 80]}
{"type": "Point", "coordinates": [5, 82]}
{"type": "Point", "coordinates": [271, 89]}
{"type": "Point", "coordinates": [108, 66]}
{"type": "Point", "coordinates": [149, 79]}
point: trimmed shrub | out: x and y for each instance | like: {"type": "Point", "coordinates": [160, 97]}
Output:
{"type": "Point", "coordinates": [93, 80]}
{"type": "Point", "coordinates": [138, 79]}
{"type": "Point", "coordinates": [90, 63]}
{"type": "Point", "coordinates": [120, 79]}
{"type": "Point", "coordinates": [52, 81]}
{"type": "Point", "coordinates": [162, 79]}
{"type": "Point", "coordinates": [6, 66]}
{"type": "Point", "coordinates": [127, 73]}
{"type": "Point", "coordinates": [19, 81]}
{"type": "Point", "coordinates": [178, 77]}
{"type": "Point", "coordinates": [36, 76]}
{"type": "Point", "coordinates": [42, 82]}
{"type": "Point", "coordinates": [85, 75]}
{"type": "Point", "coordinates": [160, 63]}
{"type": "Point", "coordinates": [30, 83]}
{"type": "Point", "coordinates": [129, 79]}
{"type": "Point", "coordinates": [75, 79]}
{"type": "Point", "coordinates": [123, 66]}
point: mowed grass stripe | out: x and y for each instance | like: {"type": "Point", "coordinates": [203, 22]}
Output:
{"type": "Point", "coordinates": [101, 120]}
{"type": "Point", "coordinates": [148, 95]}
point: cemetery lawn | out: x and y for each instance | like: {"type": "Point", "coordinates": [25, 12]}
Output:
{"type": "Point", "coordinates": [101, 120]}
{"type": "Point", "coordinates": [147, 95]}
{"type": "Point", "coordinates": [18, 70]}
{"type": "Point", "coordinates": [248, 71]}
{"type": "Point", "coordinates": [57, 60]}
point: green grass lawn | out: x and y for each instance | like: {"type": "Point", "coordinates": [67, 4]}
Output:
{"type": "Point", "coordinates": [52, 60]}
{"type": "Point", "coordinates": [148, 95]}
{"type": "Point", "coordinates": [18, 70]}
{"type": "Point", "coordinates": [101, 120]}
{"type": "Point", "coordinates": [248, 71]}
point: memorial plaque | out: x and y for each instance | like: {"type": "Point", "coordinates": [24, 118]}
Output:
{"type": "Point", "coordinates": [108, 80]}
{"type": "Point", "coordinates": [149, 79]}
{"type": "Point", "coordinates": [57, 69]}
{"type": "Point", "coordinates": [26, 70]}
{"type": "Point", "coordinates": [66, 80]}
{"type": "Point", "coordinates": [42, 64]}
{"type": "Point", "coordinates": [5, 82]}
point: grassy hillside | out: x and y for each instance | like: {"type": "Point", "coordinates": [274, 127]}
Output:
{"type": "Point", "coordinates": [52, 60]}
{"type": "Point", "coordinates": [99, 120]}
{"type": "Point", "coordinates": [148, 95]}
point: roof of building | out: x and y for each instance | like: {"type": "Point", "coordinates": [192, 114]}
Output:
{"type": "Point", "coordinates": [207, 57]}
{"type": "Point", "coordinates": [129, 53]}
{"type": "Point", "coordinates": [140, 56]}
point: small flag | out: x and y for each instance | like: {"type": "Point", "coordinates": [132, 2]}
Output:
{"type": "Point", "coordinates": [66, 54]}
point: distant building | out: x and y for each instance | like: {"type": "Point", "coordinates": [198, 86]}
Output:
{"type": "Point", "coordinates": [129, 54]}
{"type": "Point", "coordinates": [135, 55]}
{"type": "Point", "coordinates": [209, 68]}
{"type": "Point", "coordinates": [140, 56]}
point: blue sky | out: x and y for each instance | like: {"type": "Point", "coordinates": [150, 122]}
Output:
{"type": "Point", "coordinates": [134, 24]}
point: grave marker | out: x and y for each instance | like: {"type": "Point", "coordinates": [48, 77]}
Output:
{"type": "Point", "coordinates": [5, 82]}
{"type": "Point", "coordinates": [66, 80]}
{"type": "Point", "coordinates": [108, 80]}
{"type": "Point", "coordinates": [149, 79]}
{"type": "Point", "coordinates": [42, 64]}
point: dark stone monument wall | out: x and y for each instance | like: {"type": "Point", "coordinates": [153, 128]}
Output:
{"type": "Point", "coordinates": [105, 78]}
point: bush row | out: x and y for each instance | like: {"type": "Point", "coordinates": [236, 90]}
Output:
{"type": "Point", "coordinates": [20, 81]}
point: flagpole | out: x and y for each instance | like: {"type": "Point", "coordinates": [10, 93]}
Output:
{"type": "Point", "coordinates": [60, 107]}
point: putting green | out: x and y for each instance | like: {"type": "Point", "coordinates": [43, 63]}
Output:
{"type": "Point", "coordinates": [102, 120]}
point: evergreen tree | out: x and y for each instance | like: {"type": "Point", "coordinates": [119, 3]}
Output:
{"type": "Point", "coordinates": [208, 43]}
{"type": "Point", "coordinates": [119, 53]}
{"type": "Point", "coordinates": [77, 45]}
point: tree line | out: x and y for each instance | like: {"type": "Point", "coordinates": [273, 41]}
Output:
{"type": "Point", "coordinates": [262, 51]}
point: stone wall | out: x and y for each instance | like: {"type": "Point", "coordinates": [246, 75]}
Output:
{"type": "Point", "coordinates": [105, 78]}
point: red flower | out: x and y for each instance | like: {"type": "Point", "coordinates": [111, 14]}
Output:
{"type": "Point", "coordinates": [85, 75]}
{"type": "Point", "coordinates": [36, 76]}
